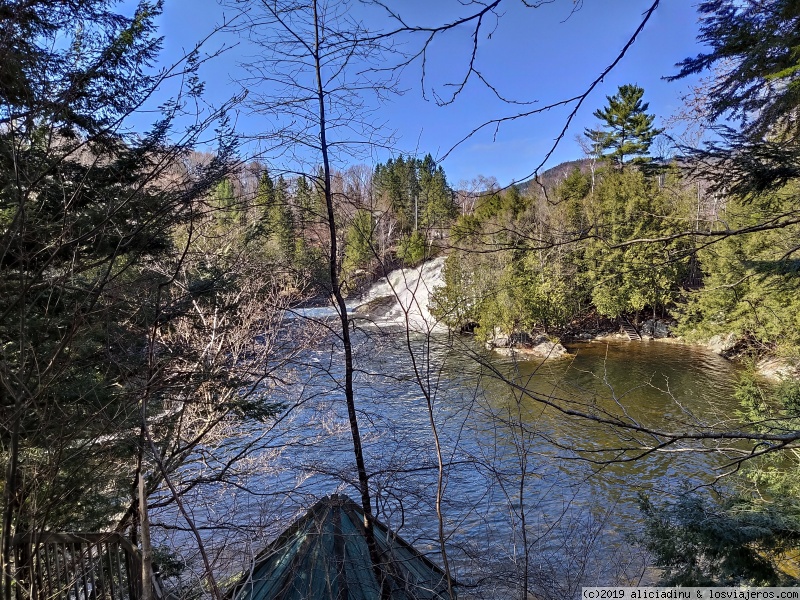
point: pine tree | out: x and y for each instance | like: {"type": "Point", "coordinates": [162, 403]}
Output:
{"type": "Point", "coordinates": [86, 209]}
{"type": "Point", "coordinates": [281, 221]}
{"type": "Point", "coordinates": [437, 207]}
{"type": "Point", "coordinates": [399, 180]}
{"type": "Point", "coordinates": [305, 204]}
{"type": "Point", "coordinates": [264, 201]}
{"type": "Point", "coordinates": [412, 248]}
{"type": "Point", "coordinates": [758, 42]}
{"type": "Point", "coordinates": [225, 203]}
{"type": "Point", "coordinates": [359, 241]}
{"type": "Point", "coordinates": [627, 129]}
{"type": "Point", "coordinates": [755, 43]}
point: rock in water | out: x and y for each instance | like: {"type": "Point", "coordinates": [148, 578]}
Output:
{"type": "Point", "coordinates": [522, 344]}
{"type": "Point", "coordinates": [655, 329]}
{"type": "Point", "coordinates": [544, 348]}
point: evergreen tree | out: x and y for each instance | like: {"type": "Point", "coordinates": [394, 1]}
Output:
{"type": "Point", "coordinates": [513, 202]}
{"type": "Point", "coordinates": [412, 249]}
{"type": "Point", "coordinates": [750, 288]}
{"type": "Point", "coordinates": [758, 42]}
{"type": "Point", "coordinates": [308, 262]}
{"type": "Point", "coordinates": [305, 204]}
{"type": "Point", "coordinates": [318, 201]}
{"type": "Point", "coordinates": [750, 535]}
{"type": "Point", "coordinates": [86, 212]}
{"type": "Point", "coordinates": [399, 181]}
{"type": "Point", "coordinates": [573, 191]}
{"type": "Point", "coordinates": [756, 45]}
{"type": "Point", "coordinates": [281, 221]}
{"type": "Point", "coordinates": [527, 295]}
{"type": "Point", "coordinates": [436, 200]}
{"type": "Point", "coordinates": [359, 241]}
{"type": "Point", "coordinates": [225, 202]}
{"type": "Point", "coordinates": [264, 201]}
{"type": "Point", "coordinates": [627, 278]}
{"type": "Point", "coordinates": [417, 194]}
{"type": "Point", "coordinates": [627, 128]}
{"type": "Point", "coordinates": [751, 282]}
{"type": "Point", "coordinates": [454, 303]}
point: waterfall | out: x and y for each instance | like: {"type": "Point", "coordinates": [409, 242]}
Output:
{"type": "Point", "coordinates": [402, 298]}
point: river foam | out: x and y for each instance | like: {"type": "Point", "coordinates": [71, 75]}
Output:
{"type": "Point", "coordinates": [403, 297]}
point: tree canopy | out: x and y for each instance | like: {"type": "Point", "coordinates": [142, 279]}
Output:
{"type": "Point", "coordinates": [627, 128]}
{"type": "Point", "coordinates": [755, 64]}
{"type": "Point", "coordinates": [102, 306]}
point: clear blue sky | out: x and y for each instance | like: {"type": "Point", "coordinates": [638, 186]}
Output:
{"type": "Point", "coordinates": [544, 54]}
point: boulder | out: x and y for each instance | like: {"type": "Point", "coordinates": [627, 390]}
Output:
{"type": "Point", "coordinates": [376, 307]}
{"type": "Point", "coordinates": [499, 339]}
{"type": "Point", "coordinates": [722, 343]}
{"type": "Point", "coordinates": [544, 348]}
{"type": "Point", "coordinates": [523, 344]}
{"type": "Point", "coordinates": [655, 328]}
{"type": "Point", "coordinates": [521, 338]}
{"type": "Point", "coordinates": [778, 369]}
{"type": "Point", "coordinates": [504, 351]}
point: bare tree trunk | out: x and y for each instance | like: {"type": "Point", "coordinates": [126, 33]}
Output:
{"type": "Point", "coordinates": [147, 549]}
{"type": "Point", "coordinates": [336, 290]}
{"type": "Point", "coordinates": [9, 502]}
{"type": "Point", "coordinates": [209, 574]}
{"type": "Point", "coordinates": [147, 438]}
{"type": "Point", "coordinates": [425, 387]}
{"type": "Point", "coordinates": [522, 451]}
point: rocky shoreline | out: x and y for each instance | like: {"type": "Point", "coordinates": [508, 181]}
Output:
{"type": "Point", "coordinates": [533, 345]}
{"type": "Point", "coordinates": [522, 343]}
{"type": "Point", "coordinates": [539, 345]}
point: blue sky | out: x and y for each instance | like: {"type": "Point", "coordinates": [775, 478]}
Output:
{"type": "Point", "coordinates": [544, 54]}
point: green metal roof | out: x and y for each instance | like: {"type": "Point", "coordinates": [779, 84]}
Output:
{"type": "Point", "coordinates": [324, 555]}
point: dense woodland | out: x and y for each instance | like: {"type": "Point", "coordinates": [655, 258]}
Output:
{"type": "Point", "coordinates": [143, 281]}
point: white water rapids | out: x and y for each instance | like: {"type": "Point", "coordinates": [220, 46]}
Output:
{"type": "Point", "coordinates": [402, 298]}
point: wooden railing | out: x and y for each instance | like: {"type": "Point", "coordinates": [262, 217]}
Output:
{"type": "Point", "coordinates": [77, 566]}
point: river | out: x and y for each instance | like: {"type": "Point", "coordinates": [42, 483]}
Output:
{"type": "Point", "coordinates": [511, 452]}
{"type": "Point", "coordinates": [579, 491]}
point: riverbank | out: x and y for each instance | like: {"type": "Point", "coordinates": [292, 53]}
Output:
{"type": "Point", "coordinates": [524, 344]}
{"type": "Point", "coordinates": [730, 347]}
{"type": "Point", "coordinates": [771, 367]}
{"type": "Point", "coordinates": [400, 298]}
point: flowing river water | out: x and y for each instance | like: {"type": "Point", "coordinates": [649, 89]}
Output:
{"type": "Point", "coordinates": [508, 455]}
{"type": "Point", "coordinates": [495, 421]}
{"type": "Point", "coordinates": [519, 472]}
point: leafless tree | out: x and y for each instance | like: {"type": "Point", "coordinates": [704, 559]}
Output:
{"type": "Point", "coordinates": [311, 77]}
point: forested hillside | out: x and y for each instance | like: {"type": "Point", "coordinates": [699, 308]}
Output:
{"type": "Point", "coordinates": [624, 235]}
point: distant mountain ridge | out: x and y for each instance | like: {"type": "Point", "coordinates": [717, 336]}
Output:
{"type": "Point", "coordinates": [553, 176]}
